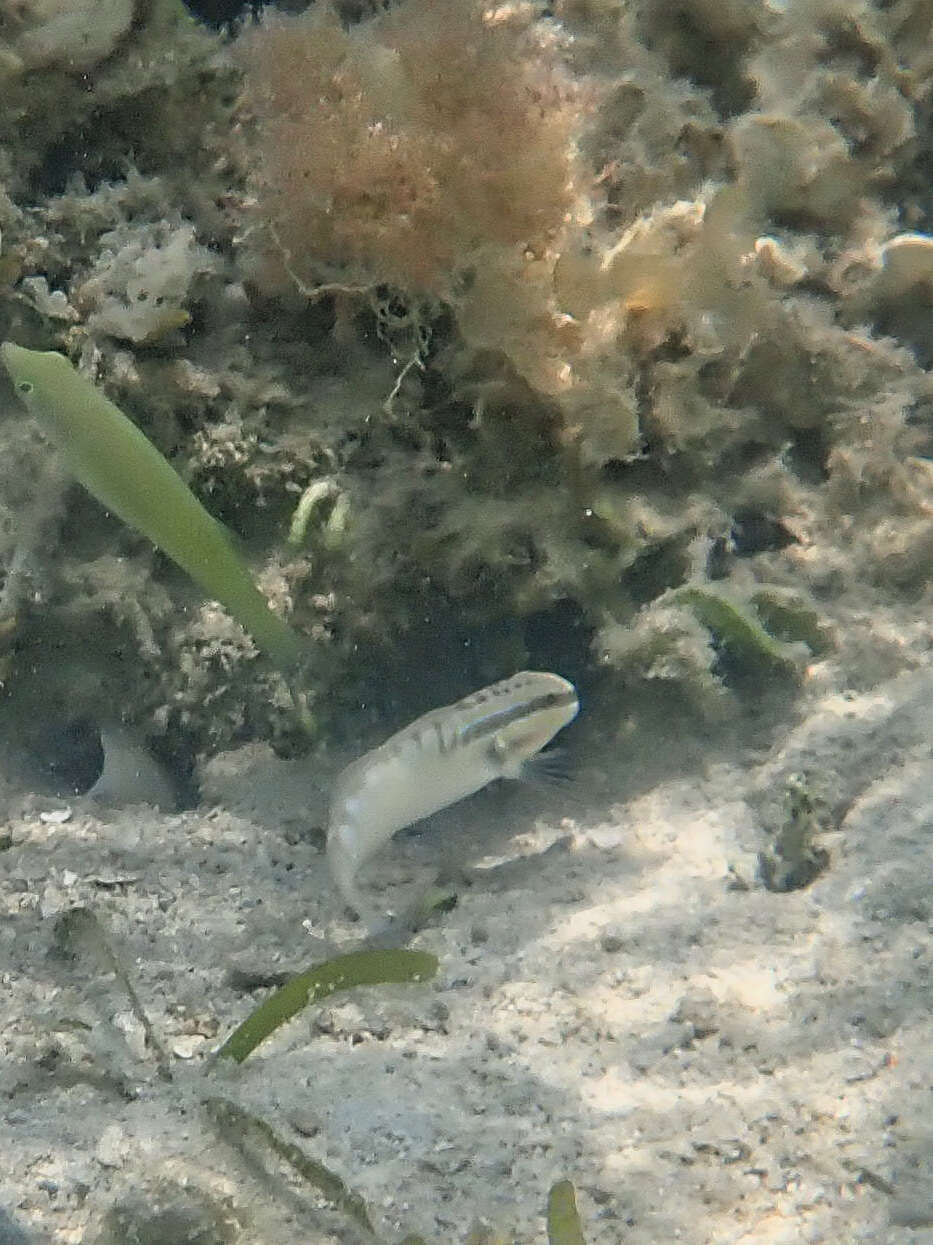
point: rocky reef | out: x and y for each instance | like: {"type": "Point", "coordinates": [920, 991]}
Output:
{"type": "Point", "coordinates": [594, 339]}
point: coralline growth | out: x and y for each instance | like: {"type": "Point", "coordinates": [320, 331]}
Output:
{"type": "Point", "coordinates": [649, 292]}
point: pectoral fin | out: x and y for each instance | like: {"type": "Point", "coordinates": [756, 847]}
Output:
{"type": "Point", "coordinates": [549, 769]}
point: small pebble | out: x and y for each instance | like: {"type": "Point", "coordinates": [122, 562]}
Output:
{"type": "Point", "coordinates": [55, 816]}
{"type": "Point", "coordinates": [698, 1008]}
{"type": "Point", "coordinates": [187, 1047]}
{"type": "Point", "coordinates": [111, 1149]}
{"type": "Point", "coordinates": [129, 1024]}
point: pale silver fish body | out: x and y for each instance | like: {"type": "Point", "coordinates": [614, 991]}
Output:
{"type": "Point", "coordinates": [440, 758]}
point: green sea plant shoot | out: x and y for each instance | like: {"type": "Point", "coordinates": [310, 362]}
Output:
{"type": "Point", "coordinates": [236, 1124]}
{"type": "Point", "coordinates": [125, 472]}
{"type": "Point", "coordinates": [358, 968]}
{"type": "Point", "coordinates": [563, 1221]}
{"type": "Point", "coordinates": [737, 628]}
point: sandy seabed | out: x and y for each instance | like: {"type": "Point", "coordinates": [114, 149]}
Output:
{"type": "Point", "coordinates": [619, 1002]}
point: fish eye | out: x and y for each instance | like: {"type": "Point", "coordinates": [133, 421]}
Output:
{"type": "Point", "coordinates": [24, 387]}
